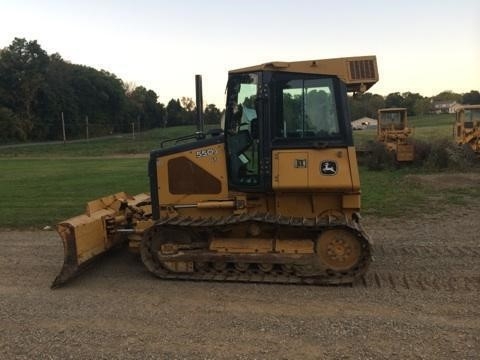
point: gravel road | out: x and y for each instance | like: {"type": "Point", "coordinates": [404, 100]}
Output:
{"type": "Point", "coordinates": [419, 301]}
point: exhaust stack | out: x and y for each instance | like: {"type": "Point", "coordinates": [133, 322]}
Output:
{"type": "Point", "coordinates": [199, 102]}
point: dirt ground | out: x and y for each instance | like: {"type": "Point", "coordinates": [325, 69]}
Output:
{"type": "Point", "coordinates": [444, 181]}
{"type": "Point", "coordinates": [418, 301]}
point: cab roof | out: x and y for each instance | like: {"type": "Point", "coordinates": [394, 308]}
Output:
{"type": "Point", "coordinates": [359, 73]}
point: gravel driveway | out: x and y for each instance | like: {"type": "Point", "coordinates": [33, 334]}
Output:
{"type": "Point", "coordinates": [418, 301]}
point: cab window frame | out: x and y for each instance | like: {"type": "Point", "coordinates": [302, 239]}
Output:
{"type": "Point", "coordinates": [342, 138]}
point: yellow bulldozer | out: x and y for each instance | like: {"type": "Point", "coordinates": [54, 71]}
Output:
{"type": "Point", "coordinates": [273, 196]}
{"type": "Point", "coordinates": [393, 132]}
{"type": "Point", "coordinates": [467, 127]}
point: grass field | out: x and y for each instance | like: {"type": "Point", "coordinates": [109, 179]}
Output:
{"type": "Point", "coordinates": [115, 145]}
{"type": "Point", "coordinates": [425, 128]}
{"type": "Point", "coordinates": [40, 192]}
{"type": "Point", "coordinates": [43, 184]}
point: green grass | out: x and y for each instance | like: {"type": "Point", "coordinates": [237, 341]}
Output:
{"type": "Point", "coordinates": [41, 192]}
{"type": "Point", "coordinates": [436, 120]}
{"type": "Point", "coordinates": [43, 184]}
{"type": "Point", "coordinates": [432, 127]}
{"type": "Point", "coordinates": [383, 193]}
{"type": "Point", "coordinates": [115, 145]}
{"type": "Point", "coordinates": [388, 193]}
{"type": "Point", "coordinates": [425, 128]}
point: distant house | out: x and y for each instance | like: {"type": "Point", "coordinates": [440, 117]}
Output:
{"type": "Point", "coordinates": [444, 107]}
{"type": "Point", "coordinates": [454, 108]}
{"type": "Point", "coordinates": [364, 123]}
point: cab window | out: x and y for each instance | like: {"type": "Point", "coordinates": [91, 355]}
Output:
{"type": "Point", "coordinates": [241, 130]}
{"type": "Point", "coordinates": [308, 110]}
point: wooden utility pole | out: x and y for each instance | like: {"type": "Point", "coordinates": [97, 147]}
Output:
{"type": "Point", "coordinates": [63, 129]}
{"type": "Point", "coordinates": [138, 125]}
{"type": "Point", "coordinates": [133, 130]}
{"type": "Point", "coordinates": [86, 125]}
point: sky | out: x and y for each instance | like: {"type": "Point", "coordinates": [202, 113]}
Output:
{"type": "Point", "coordinates": [421, 46]}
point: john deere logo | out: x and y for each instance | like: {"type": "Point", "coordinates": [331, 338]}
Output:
{"type": "Point", "coordinates": [328, 167]}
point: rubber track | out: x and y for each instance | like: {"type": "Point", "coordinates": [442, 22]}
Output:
{"type": "Point", "coordinates": [314, 224]}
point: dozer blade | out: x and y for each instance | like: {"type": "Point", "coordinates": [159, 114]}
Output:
{"type": "Point", "coordinates": [86, 237]}
{"type": "Point", "coordinates": [405, 152]}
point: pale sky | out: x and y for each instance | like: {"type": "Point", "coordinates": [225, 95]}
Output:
{"type": "Point", "coordinates": [421, 46]}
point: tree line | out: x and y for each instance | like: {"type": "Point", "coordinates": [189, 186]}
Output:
{"type": "Point", "coordinates": [367, 104]}
{"type": "Point", "coordinates": [37, 90]}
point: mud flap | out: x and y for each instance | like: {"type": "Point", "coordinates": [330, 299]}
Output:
{"type": "Point", "coordinates": [86, 237]}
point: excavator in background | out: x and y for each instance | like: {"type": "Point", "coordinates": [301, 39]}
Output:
{"type": "Point", "coordinates": [467, 127]}
{"type": "Point", "coordinates": [272, 197]}
{"type": "Point", "coordinates": [393, 132]}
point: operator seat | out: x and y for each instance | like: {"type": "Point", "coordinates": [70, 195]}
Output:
{"type": "Point", "coordinates": [238, 143]}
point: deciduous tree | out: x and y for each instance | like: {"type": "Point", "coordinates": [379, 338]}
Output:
{"type": "Point", "coordinates": [212, 114]}
{"type": "Point", "coordinates": [471, 98]}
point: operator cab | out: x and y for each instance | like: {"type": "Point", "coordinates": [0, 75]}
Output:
{"type": "Point", "coordinates": [268, 110]}
{"type": "Point", "coordinates": [471, 117]}
{"type": "Point", "coordinates": [392, 118]}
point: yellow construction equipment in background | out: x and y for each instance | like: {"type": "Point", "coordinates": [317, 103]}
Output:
{"type": "Point", "coordinates": [393, 131]}
{"type": "Point", "coordinates": [467, 127]}
{"type": "Point", "coordinates": [274, 196]}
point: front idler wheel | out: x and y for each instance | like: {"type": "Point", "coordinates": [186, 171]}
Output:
{"type": "Point", "coordinates": [339, 250]}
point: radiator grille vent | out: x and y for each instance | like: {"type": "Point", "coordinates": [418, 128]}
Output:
{"type": "Point", "coordinates": [362, 69]}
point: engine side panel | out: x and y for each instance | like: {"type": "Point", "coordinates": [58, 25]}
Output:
{"type": "Point", "coordinates": [322, 170]}
{"type": "Point", "coordinates": [191, 176]}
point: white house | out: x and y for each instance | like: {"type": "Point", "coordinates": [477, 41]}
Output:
{"type": "Point", "coordinates": [444, 107]}
{"type": "Point", "coordinates": [364, 123]}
